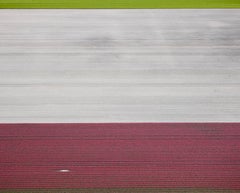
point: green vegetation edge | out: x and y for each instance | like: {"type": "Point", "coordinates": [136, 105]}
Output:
{"type": "Point", "coordinates": [121, 4]}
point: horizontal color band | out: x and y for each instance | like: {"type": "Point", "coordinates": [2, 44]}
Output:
{"type": "Point", "coordinates": [120, 190]}
{"type": "Point", "coordinates": [119, 4]}
{"type": "Point", "coordinates": [120, 155]}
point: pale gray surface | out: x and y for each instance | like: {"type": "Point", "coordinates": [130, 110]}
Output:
{"type": "Point", "coordinates": [119, 65]}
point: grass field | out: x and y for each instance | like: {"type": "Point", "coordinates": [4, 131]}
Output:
{"type": "Point", "coordinates": [119, 3]}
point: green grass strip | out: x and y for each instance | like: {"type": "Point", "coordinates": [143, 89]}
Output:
{"type": "Point", "coordinates": [119, 4]}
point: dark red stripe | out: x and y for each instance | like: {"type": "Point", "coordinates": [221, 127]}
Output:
{"type": "Point", "coordinates": [163, 155]}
